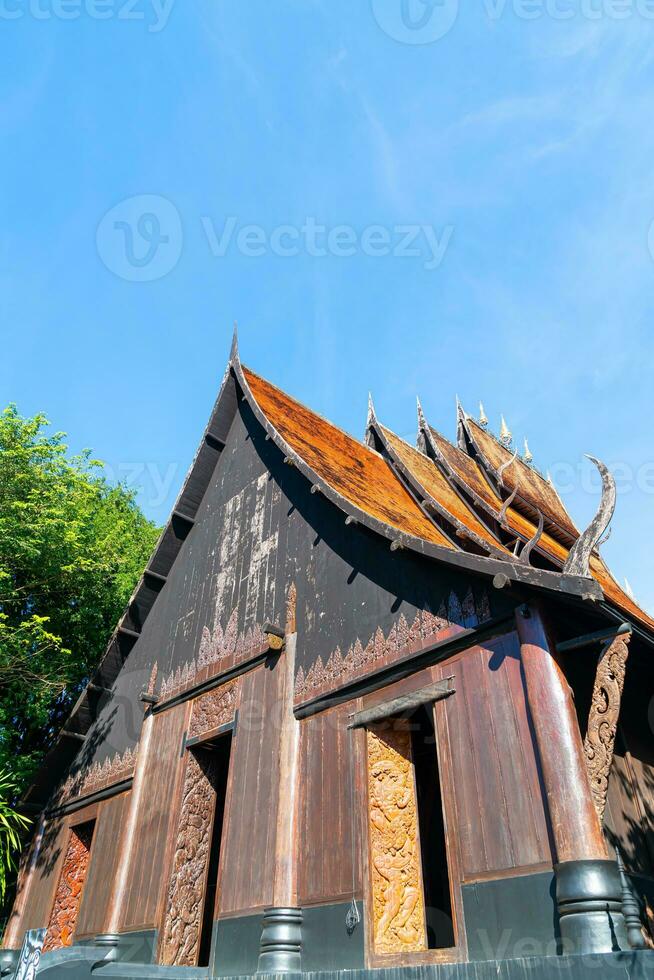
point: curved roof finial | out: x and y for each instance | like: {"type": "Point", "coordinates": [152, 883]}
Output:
{"type": "Point", "coordinates": [483, 420]}
{"type": "Point", "coordinates": [525, 554]}
{"type": "Point", "coordinates": [578, 562]}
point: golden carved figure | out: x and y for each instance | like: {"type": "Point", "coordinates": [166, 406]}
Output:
{"type": "Point", "coordinates": [398, 905]}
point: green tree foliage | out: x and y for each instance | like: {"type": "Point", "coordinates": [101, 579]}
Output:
{"type": "Point", "coordinates": [72, 547]}
{"type": "Point", "coordinates": [12, 825]}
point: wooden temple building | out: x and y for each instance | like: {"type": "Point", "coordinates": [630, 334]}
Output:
{"type": "Point", "coordinates": [372, 706]}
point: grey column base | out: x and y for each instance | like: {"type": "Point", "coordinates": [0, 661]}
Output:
{"type": "Point", "coordinates": [8, 961]}
{"type": "Point", "coordinates": [281, 941]}
{"type": "Point", "coordinates": [108, 943]}
{"type": "Point", "coordinates": [589, 900]}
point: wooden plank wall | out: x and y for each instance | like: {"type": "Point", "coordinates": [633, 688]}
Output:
{"type": "Point", "coordinates": [43, 879]}
{"type": "Point", "coordinates": [155, 824]}
{"type": "Point", "coordinates": [329, 811]}
{"type": "Point", "coordinates": [93, 914]}
{"type": "Point", "coordinates": [248, 845]}
{"type": "Point", "coordinates": [490, 753]}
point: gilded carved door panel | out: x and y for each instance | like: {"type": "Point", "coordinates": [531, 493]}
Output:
{"type": "Point", "coordinates": [68, 896]}
{"type": "Point", "coordinates": [398, 908]}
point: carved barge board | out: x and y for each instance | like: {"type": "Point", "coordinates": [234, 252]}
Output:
{"type": "Point", "coordinates": [398, 908]}
{"type": "Point", "coordinates": [599, 743]}
{"type": "Point", "coordinates": [185, 903]}
{"type": "Point", "coordinates": [68, 897]}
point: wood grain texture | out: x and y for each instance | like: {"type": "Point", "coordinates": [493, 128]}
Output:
{"type": "Point", "coordinates": [154, 827]}
{"type": "Point", "coordinates": [330, 867]}
{"type": "Point", "coordinates": [487, 754]}
{"type": "Point", "coordinates": [575, 825]}
{"type": "Point", "coordinates": [93, 917]}
{"type": "Point", "coordinates": [246, 878]}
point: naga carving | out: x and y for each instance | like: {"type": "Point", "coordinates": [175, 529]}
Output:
{"type": "Point", "coordinates": [397, 895]}
{"type": "Point", "coordinates": [214, 709]}
{"type": "Point", "coordinates": [184, 908]}
{"type": "Point", "coordinates": [68, 898]}
{"type": "Point", "coordinates": [603, 719]}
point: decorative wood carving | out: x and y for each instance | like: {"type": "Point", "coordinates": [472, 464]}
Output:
{"type": "Point", "coordinates": [397, 895]}
{"type": "Point", "coordinates": [100, 775]}
{"type": "Point", "coordinates": [218, 649]}
{"type": "Point", "coordinates": [213, 709]}
{"type": "Point", "coordinates": [184, 907]}
{"type": "Point", "coordinates": [603, 718]}
{"type": "Point", "coordinates": [382, 648]}
{"type": "Point", "coordinates": [68, 897]}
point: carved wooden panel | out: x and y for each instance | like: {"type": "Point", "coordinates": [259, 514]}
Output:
{"type": "Point", "coordinates": [599, 743]}
{"type": "Point", "coordinates": [397, 895]}
{"type": "Point", "coordinates": [184, 906]}
{"type": "Point", "coordinates": [213, 709]}
{"type": "Point", "coordinates": [68, 897]}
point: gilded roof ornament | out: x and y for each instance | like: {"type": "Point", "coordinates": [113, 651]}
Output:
{"type": "Point", "coordinates": [483, 420]}
{"type": "Point", "coordinates": [506, 436]}
{"type": "Point", "coordinates": [528, 456]}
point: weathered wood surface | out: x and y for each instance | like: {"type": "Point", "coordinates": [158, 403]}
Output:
{"type": "Point", "coordinates": [105, 854]}
{"type": "Point", "coordinates": [154, 827]}
{"type": "Point", "coordinates": [576, 829]}
{"type": "Point", "coordinates": [489, 756]}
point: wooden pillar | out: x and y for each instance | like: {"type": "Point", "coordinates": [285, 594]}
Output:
{"type": "Point", "coordinates": [281, 937]}
{"type": "Point", "coordinates": [127, 841]}
{"type": "Point", "coordinates": [588, 883]}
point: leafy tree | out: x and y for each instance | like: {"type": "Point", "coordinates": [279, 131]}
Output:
{"type": "Point", "coordinates": [12, 825]}
{"type": "Point", "coordinates": [72, 547]}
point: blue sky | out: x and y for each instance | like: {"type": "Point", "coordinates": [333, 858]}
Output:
{"type": "Point", "coordinates": [390, 195]}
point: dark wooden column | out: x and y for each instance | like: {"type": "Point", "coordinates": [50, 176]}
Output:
{"type": "Point", "coordinates": [588, 882]}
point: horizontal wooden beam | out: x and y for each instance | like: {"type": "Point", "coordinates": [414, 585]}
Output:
{"type": "Point", "coordinates": [601, 636]}
{"type": "Point", "coordinates": [405, 702]}
{"type": "Point", "coordinates": [184, 517]}
{"type": "Point", "coordinates": [156, 576]}
{"type": "Point", "coordinates": [128, 632]}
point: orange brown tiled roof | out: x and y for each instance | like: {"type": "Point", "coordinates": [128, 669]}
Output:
{"type": "Point", "coordinates": [469, 473]}
{"type": "Point", "coordinates": [531, 486]}
{"type": "Point", "coordinates": [439, 488]}
{"type": "Point", "coordinates": [359, 474]}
